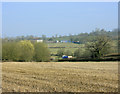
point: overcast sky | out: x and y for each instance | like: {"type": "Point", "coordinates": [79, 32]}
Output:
{"type": "Point", "coordinates": [51, 18]}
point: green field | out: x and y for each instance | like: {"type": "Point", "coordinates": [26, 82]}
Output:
{"type": "Point", "coordinates": [60, 76]}
{"type": "Point", "coordinates": [54, 47]}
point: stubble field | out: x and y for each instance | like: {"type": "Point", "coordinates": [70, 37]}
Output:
{"type": "Point", "coordinates": [60, 77]}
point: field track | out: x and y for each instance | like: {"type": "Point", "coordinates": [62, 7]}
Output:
{"type": "Point", "coordinates": [60, 76]}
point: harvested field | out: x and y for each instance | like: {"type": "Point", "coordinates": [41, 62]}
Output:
{"type": "Point", "coordinates": [60, 76]}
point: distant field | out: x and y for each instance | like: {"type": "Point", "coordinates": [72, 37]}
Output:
{"type": "Point", "coordinates": [60, 76]}
{"type": "Point", "coordinates": [54, 47]}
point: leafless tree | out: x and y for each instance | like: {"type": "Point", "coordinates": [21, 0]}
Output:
{"type": "Point", "coordinates": [99, 47]}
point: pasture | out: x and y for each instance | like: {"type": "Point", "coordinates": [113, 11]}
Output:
{"type": "Point", "coordinates": [60, 76]}
{"type": "Point", "coordinates": [54, 47]}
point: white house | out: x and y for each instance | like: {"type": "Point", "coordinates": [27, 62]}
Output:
{"type": "Point", "coordinates": [39, 40]}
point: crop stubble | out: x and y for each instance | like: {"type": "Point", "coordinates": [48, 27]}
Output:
{"type": "Point", "coordinates": [60, 76]}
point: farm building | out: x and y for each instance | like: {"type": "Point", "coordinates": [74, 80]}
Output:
{"type": "Point", "coordinates": [39, 40]}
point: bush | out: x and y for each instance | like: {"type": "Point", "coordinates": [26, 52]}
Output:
{"type": "Point", "coordinates": [68, 53]}
{"type": "Point", "coordinates": [79, 53]}
{"type": "Point", "coordinates": [41, 52]}
{"type": "Point", "coordinates": [26, 50]}
{"type": "Point", "coordinates": [60, 52]}
{"type": "Point", "coordinates": [10, 51]}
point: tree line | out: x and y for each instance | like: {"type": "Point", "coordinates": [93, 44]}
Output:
{"type": "Point", "coordinates": [82, 37]}
{"type": "Point", "coordinates": [85, 37]}
{"type": "Point", "coordinates": [25, 50]}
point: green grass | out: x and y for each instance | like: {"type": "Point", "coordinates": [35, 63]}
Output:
{"type": "Point", "coordinates": [72, 47]}
{"type": "Point", "coordinates": [68, 46]}
{"type": "Point", "coordinates": [64, 45]}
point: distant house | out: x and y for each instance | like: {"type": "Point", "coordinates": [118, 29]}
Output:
{"type": "Point", "coordinates": [39, 40]}
{"type": "Point", "coordinates": [36, 40]}
{"type": "Point", "coordinates": [57, 41]}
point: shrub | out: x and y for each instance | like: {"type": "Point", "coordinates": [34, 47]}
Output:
{"type": "Point", "coordinates": [41, 52]}
{"type": "Point", "coordinates": [79, 53]}
{"type": "Point", "coordinates": [26, 50]}
{"type": "Point", "coordinates": [60, 52]}
{"type": "Point", "coordinates": [68, 53]}
{"type": "Point", "coordinates": [10, 51]}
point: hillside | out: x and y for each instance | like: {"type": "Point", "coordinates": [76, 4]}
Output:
{"type": "Point", "coordinates": [54, 47]}
{"type": "Point", "coordinates": [87, 37]}
{"type": "Point", "coordinates": [82, 37]}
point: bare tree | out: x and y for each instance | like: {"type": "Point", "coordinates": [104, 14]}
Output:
{"type": "Point", "coordinates": [99, 46]}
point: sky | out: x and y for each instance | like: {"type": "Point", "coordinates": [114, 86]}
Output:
{"type": "Point", "coordinates": [61, 18]}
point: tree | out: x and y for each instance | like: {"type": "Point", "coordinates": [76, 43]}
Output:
{"type": "Point", "coordinates": [26, 50]}
{"type": "Point", "coordinates": [44, 37]}
{"type": "Point", "coordinates": [60, 52]}
{"type": "Point", "coordinates": [56, 35]}
{"type": "Point", "coordinates": [10, 51]}
{"type": "Point", "coordinates": [50, 39]}
{"type": "Point", "coordinates": [79, 53]}
{"type": "Point", "coordinates": [99, 47]}
{"type": "Point", "coordinates": [71, 37]}
{"type": "Point", "coordinates": [42, 52]}
{"type": "Point", "coordinates": [68, 53]}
